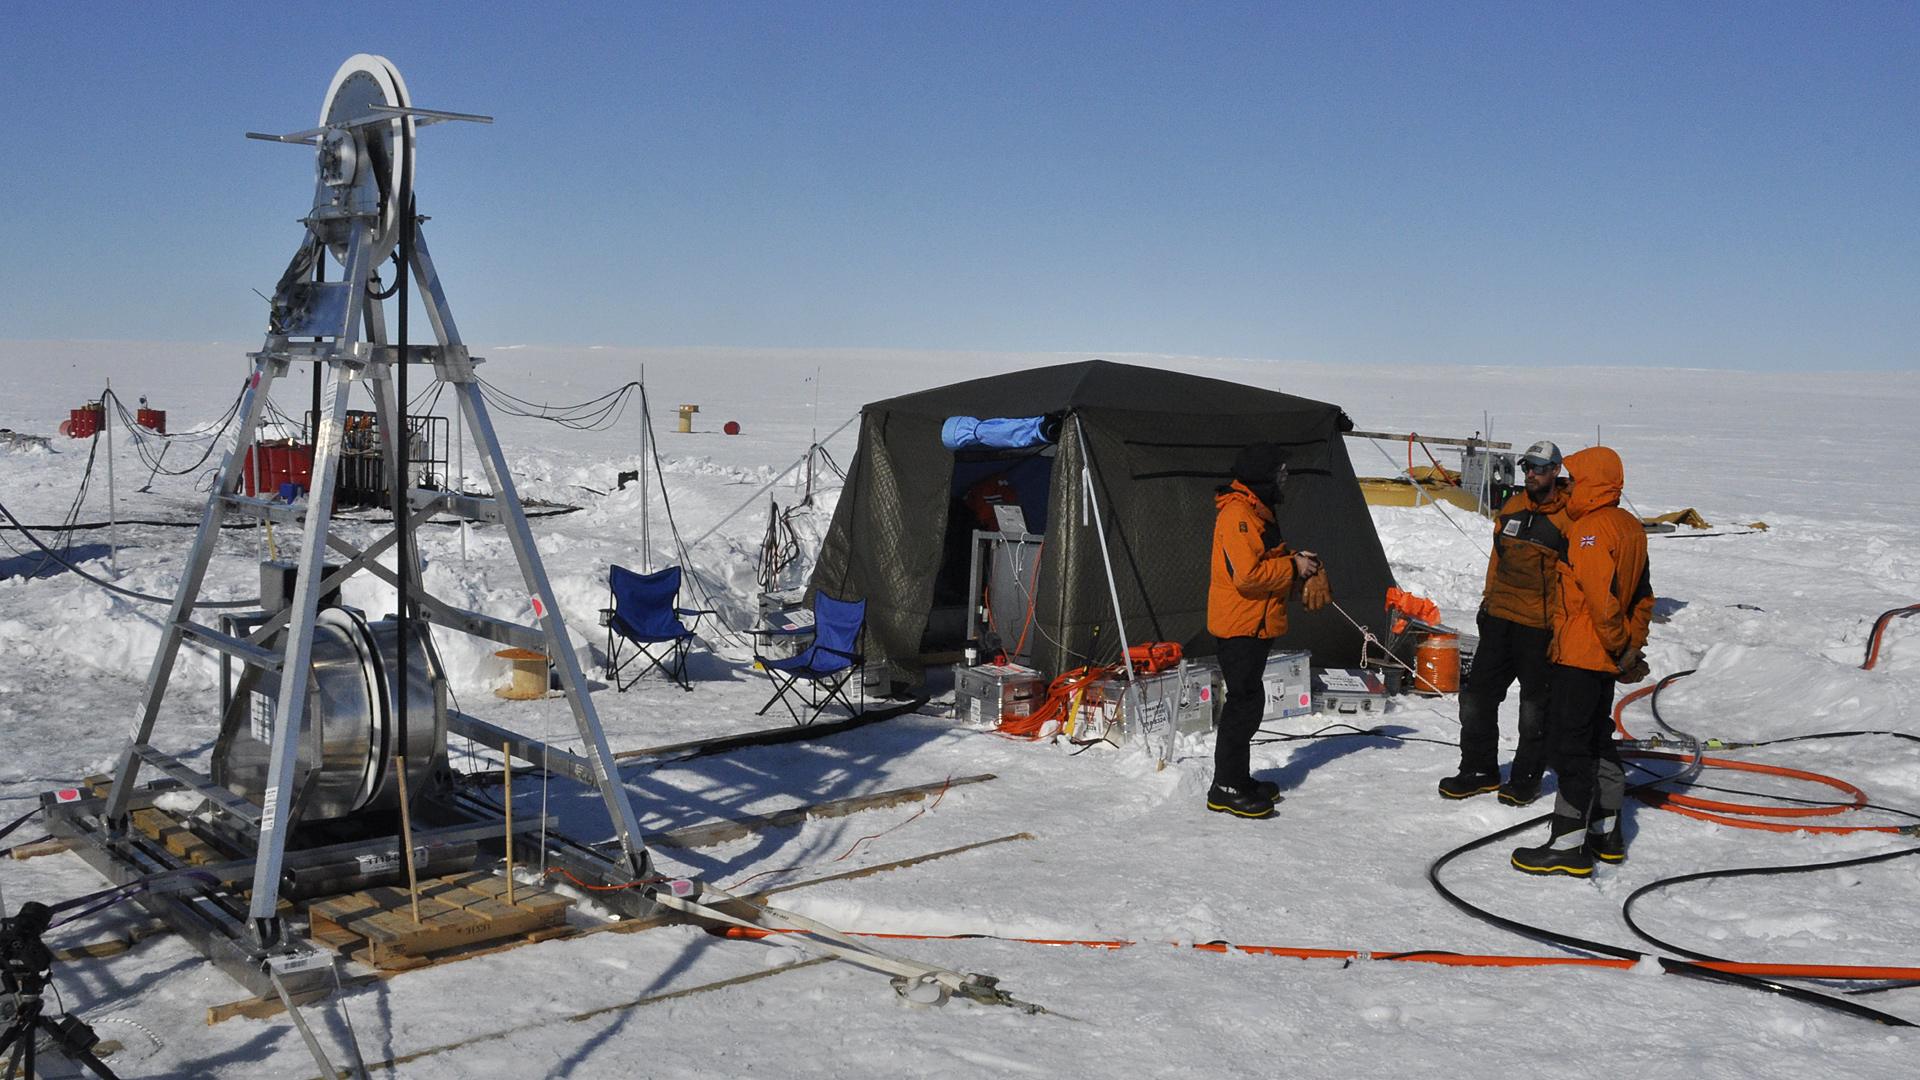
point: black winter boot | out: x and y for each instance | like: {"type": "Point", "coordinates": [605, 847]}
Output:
{"type": "Point", "coordinates": [1240, 802]}
{"type": "Point", "coordinates": [1520, 790]}
{"type": "Point", "coordinates": [1565, 851]}
{"type": "Point", "coordinates": [1268, 790]}
{"type": "Point", "coordinates": [1605, 841]}
{"type": "Point", "coordinates": [1466, 785]}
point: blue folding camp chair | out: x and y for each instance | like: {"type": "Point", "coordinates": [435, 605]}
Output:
{"type": "Point", "coordinates": [644, 623]}
{"type": "Point", "coordinates": [818, 674]}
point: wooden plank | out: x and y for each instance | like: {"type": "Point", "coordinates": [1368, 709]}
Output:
{"type": "Point", "coordinates": [719, 832]}
{"type": "Point", "coordinates": [115, 945]}
{"type": "Point", "coordinates": [378, 925]}
{"type": "Point", "coordinates": [38, 848]}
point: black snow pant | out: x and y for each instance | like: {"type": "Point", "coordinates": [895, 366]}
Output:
{"type": "Point", "coordinates": [1507, 651]}
{"type": "Point", "coordinates": [1585, 759]}
{"type": "Point", "coordinates": [1243, 660]}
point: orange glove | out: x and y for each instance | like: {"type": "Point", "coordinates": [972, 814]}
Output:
{"type": "Point", "coordinates": [1315, 593]}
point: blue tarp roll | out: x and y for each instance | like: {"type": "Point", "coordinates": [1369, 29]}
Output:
{"type": "Point", "coordinates": [999, 433]}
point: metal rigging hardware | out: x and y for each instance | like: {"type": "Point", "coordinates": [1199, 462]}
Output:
{"type": "Point", "coordinates": [364, 151]}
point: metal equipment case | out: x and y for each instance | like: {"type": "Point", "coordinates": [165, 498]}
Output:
{"type": "Point", "coordinates": [1349, 691]}
{"type": "Point", "coordinates": [990, 693]}
{"type": "Point", "coordinates": [1161, 705]}
{"type": "Point", "coordinates": [1288, 686]}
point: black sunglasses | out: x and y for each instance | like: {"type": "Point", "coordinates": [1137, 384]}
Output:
{"type": "Point", "coordinates": [1540, 467]}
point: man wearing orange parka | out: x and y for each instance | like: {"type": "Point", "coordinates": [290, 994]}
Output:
{"type": "Point", "coordinates": [1600, 620]}
{"type": "Point", "coordinates": [1252, 573]}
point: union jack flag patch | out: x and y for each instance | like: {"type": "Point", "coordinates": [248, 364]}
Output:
{"type": "Point", "coordinates": [1586, 541]}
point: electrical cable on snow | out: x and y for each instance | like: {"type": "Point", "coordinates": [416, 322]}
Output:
{"type": "Point", "coordinates": [1685, 968]}
{"type": "Point", "coordinates": [110, 586]}
{"type": "Point", "coordinates": [1626, 909]}
{"type": "Point", "coordinates": [1741, 815]}
{"type": "Point", "coordinates": [768, 486]}
{"type": "Point", "coordinates": [1879, 628]}
{"type": "Point", "coordinates": [594, 414]}
{"type": "Point", "coordinates": [67, 524]}
{"type": "Point", "coordinates": [212, 432]}
{"type": "Point", "coordinates": [1352, 732]}
{"type": "Point", "coordinates": [680, 545]}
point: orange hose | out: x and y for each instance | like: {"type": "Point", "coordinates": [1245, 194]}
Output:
{"type": "Point", "coordinates": [1061, 704]}
{"type": "Point", "coordinates": [1859, 797]}
{"type": "Point", "coordinates": [1723, 813]}
{"type": "Point", "coordinates": [1449, 959]}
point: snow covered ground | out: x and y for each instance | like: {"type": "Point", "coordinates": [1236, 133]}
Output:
{"type": "Point", "coordinates": [1775, 622]}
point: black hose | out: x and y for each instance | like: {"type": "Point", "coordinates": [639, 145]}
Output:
{"type": "Point", "coordinates": [1626, 909]}
{"type": "Point", "coordinates": [1879, 627]}
{"type": "Point", "coordinates": [400, 272]}
{"type": "Point", "coordinates": [110, 586]}
{"type": "Point", "coordinates": [1667, 964]}
{"type": "Point", "coordinates": [1684, 968]}
{"type": "Point", "coordinates": [1723, 745]}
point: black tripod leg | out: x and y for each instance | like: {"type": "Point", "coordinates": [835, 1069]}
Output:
{"type": "Point", "coordinates": [84, 1057]}
{"type": "Point", "coordinates": [87, 1058]}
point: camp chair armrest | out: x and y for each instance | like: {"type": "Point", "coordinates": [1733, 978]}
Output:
{"type": "Point", "coordinates": [694, 612]}
{"type": "Point", "coordinates": [854, 657]}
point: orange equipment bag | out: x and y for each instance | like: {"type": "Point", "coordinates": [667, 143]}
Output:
{"type": "Point", "coordinates": [1401, 602]}
{"type": "Point", "coordinates": [1152, 657]}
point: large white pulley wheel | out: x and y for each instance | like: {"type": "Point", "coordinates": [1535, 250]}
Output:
{"type": "Point", "coordinates": [379, 155]}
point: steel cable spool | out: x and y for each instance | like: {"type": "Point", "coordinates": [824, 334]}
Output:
{"type": "Point", "coordinates": [349, 735]}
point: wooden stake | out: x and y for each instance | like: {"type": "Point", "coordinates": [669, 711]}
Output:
{"type": "Point", "coordinates": [506, 752]}
{"type": "Point", "coordinates": [406, 834]}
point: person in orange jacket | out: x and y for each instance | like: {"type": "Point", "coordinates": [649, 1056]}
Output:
{"type": "Point", "coordinates": [1252, 572]}
{"type": "Point", "coordinates": [1600, 626]}
{"type": "Point", "coordinates": [1515, 625]}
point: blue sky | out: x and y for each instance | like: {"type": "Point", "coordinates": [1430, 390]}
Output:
{"type": "Point", "coordinates": [1701, 184]}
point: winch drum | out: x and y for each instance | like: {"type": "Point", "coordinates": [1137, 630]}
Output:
{"type": "Point", "coordinates": [349, 732]}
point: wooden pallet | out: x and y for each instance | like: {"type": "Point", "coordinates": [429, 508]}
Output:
{"type": "Point", "coordinates": [181, 841]}
{"type": "Point", "coordinates": [458, 912]}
